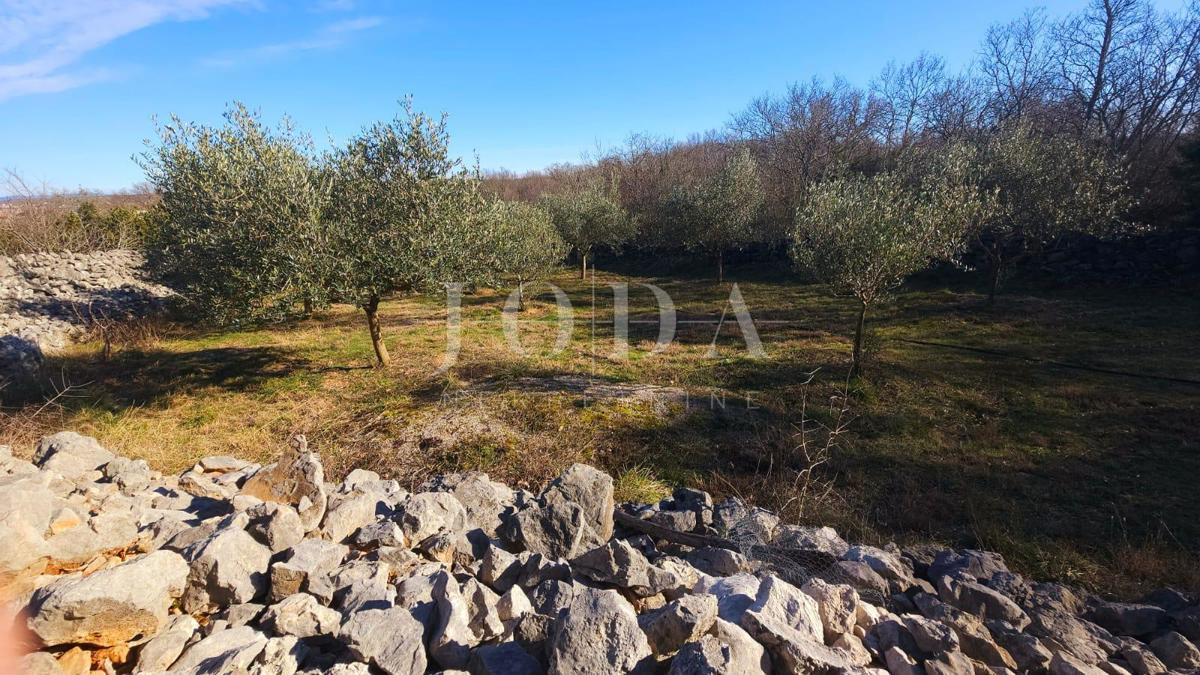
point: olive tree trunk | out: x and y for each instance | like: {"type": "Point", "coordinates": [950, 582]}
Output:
{"type": "Point", "coordinates": [381, 353]}
{"type": "Point", "coordinates": [720, 266]}
{"type": "Point", "coordinates": [583, 256]}
{"type": "Point", "coordinates": [856, 358]}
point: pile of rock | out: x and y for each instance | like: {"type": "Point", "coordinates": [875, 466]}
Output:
{"type": "Point", "coordinates": [233, 567]}
{"type": "Point", "coordinates": [48, 298]}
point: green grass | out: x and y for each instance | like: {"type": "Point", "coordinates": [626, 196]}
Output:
{"type": "Point", "coordinates": [1072, 474]}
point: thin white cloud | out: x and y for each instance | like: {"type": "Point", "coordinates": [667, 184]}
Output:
{"type": "Point", "coordinates": [334, 5]}
{"type": "Point", "coordinates": [330, 36]}
{"type": "Point", "coordinates": [42, 41]}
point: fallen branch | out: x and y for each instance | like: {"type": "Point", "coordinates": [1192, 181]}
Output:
{"type": "Point", "coordinates": [674, 536]}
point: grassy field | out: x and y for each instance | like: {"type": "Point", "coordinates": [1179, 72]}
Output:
{"type": "Point", "coordinates": [1073, 474]}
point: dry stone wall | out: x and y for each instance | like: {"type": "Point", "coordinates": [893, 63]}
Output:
{"type": "Point", "coordinates": [48, 299]}
{"type": "Point", "coordinates": [232, 567]}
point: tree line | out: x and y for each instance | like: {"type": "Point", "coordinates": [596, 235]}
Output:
{"type": "Point", "coordinates": [1118, 81]}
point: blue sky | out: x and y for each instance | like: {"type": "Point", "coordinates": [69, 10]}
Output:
{"type": "Point", "coordinates": [526, 84]}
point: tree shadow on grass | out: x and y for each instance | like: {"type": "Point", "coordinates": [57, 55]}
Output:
{"type": "Point", "coordinates": [150, 377]}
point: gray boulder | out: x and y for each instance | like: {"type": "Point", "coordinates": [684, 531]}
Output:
{"type": "Point", "coordinates": [787, 622]}
{"type": "Point", "coordinates": [224, 651]}
{"type": "Point", "coordinates": [556, 528]}
{"type": "Point", "coordinates": [452, 639]}
{"type": "Point", "coordinates": [891, 567]}
{"type": "Point", "coordinates": [302, 616]}
{"type": "Point", "coordinates": [680, 621]}
{"type": "Point", "coordinates": [424, 514]}
{"type": "Point", "coordinates": [805, 538]}
{"type": "Point", "coordinates": [719, 562]}
{"type": "Point", "coordinates": [310, 559]}
{"type": "Point", "coordinates": [483, 499]}
{"type": "Point", "coordinates": [348, 513]}
{"type": "Point", "coordinates": [1121, 618]}
{"type": "Point", "coordinates": [388, 639]}
{"type": "Point", "coordinates": [729, 650]}
{"type": "Point", "coordinates": [296, 479]}
{"type": "Point", "coordinates": [592, 490]}
{"type": "Point", "coordinates": [163, 649]}
{"type": "Point", "coordinates": [985, 603]}
{"type": "Point", "coordinates": [281, 656]}
{"type": "Point", "coordinates": [837, 606]}
{"type": "Point", "coordinates": [598, 633]}
{"type": "Point", "coordinates": [506, 658]}
{"type": "Point", "coordinates": [110, 607]}
{"type": "Point", "coordinates": [72, 455]}
{"type": "Point", "coordinates": [615, 563]}
{"type": "Point", "coordinates": [982, 565]}
{"type": "Point", "coordinates": [276, 526]}
{"type": "Point", "coordinates": [734, 594]}
{"type": "Point", "coordinates": [229, 567]}
{"type": "Point", "coordinates": [1176, 651]}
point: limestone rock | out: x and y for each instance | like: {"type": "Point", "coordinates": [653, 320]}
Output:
{"type": "Point", "coordinates": [680, 621]}
{"type": "Point", "coordinates": [1176, 651]}
{"type": "Point", "coordinates": [424, 514]}
{"type": "Point", "coordinates": [788, 623]}
{"type": "Point", "coordinates": [71, 454]}
{"type": "Point", "coordinates": [887, 565]}
{"type": "Point", "coordinates": [224, 651]}
{"type": "Point", "coordinates": [276, 526]}
{"type": "Point", "coordinates": [1065, 664]}
{"type": "Point", "coordinates": [229, 567]}
{"type": "Point", "coordinates": [483, 610]}
{"type": "Point", "coordinates": [718, 562]}
{"type": "Point", "coordinates": [1121, 618]}
{"type": "Point", "coordinates": [280, 656]}
{"type": "Point", "coordinates": [452, 639]}
{"type": "Point", "coordinates": [112, 606]}
{"type": "Point", "coordinates": [389, 639]}
{"type": "Point", "coordinates": [302, 616]}
{"type": "Point", "coordinates": [506, 658]}
{"type": "Point", "coordinates": [975, 598]}
{"type": "Point", "coordinates": [592, 490]}
{"type": "Point", "coordinates": [163, 649]}
{"type": "Point", "coordinates": [39, 663]}
{"type": "Point", "coordinates": [598, 633]}
{"type": "Point", "coordinates": [616, 563]}
{"type": "Point", "coordinates": [298, 479]}
{"type": "Point", "coordinates": [837, 605]}
{"type": "Point", "coordinates": [556, 529]}
{"type": "Point", "coordinates": [823, 539]}
{"type": "Point", "coordinates": [734, 594]}
{"type": "Point", "coordinates": [348, 513]}
{"type": "Point", "coordinates": [484, 500]}
{"type": "Point", "coordinates": [310, 559]}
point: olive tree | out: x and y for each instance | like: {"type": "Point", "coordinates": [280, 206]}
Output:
{"type": "Point", "coordinates": [1045, 187]}
{"type": "Point", "coordinates": [720, 213]}
{"type": "Point", "coordinates": [405, 217]}
{"type": "Point", "coordinates": [241, 232]}
{"type": "Point", "coordinates": [589, 215]}
{"type": "Point", "coordinates": [863, 235]}
{"type": "Point", "coordinates": [528, 246]}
